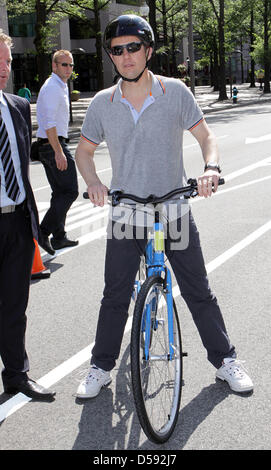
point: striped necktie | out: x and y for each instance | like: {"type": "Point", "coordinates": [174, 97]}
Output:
{"type": "Point", "coordinates": [12, 186]}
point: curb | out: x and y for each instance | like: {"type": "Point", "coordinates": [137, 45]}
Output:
{"type": "Point", "coordinates": [208, 110]}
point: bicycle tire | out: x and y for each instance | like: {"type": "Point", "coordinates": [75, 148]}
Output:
{"type": "Point", "coordinates": [157, 401]}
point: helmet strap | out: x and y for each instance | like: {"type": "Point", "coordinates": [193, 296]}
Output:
{"type": "Point", "coordinates": [133, 79]}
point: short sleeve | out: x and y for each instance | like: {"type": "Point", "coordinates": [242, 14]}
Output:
{"type": "Point", "coordinates": [92, 129]}
{"type": "Point", "coordinates": [191, 114]}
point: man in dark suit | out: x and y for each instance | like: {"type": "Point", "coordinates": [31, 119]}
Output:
{"type": "Point", "coordinates": [18, 226]}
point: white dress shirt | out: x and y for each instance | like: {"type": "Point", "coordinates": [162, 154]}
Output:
{"type": "Point", "coordinates": [53, 107]}
{"type": "Point", "coordinates": [4, 199]}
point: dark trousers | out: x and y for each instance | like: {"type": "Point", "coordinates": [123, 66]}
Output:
{"type": "Point", "coordinates": [16, 258]}
{"type": "Point", "coordinates": [64, 187]}
{"type": "Point", "coordinates": [121, 266]}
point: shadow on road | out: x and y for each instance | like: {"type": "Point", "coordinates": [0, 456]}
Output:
{"type": "Point", "coordinates": [230, 115]}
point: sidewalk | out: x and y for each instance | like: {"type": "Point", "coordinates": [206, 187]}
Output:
{"type": "Point", "coordinates": [206, 98]}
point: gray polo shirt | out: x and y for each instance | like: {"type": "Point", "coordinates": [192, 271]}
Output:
{"type": "Point", "coordinates": [146, 154]}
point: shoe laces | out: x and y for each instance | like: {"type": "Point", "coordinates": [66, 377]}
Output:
{"type": "Point", "coordinates": [94, 373]}
{"type": "Point", "coordinates": [236, 368]}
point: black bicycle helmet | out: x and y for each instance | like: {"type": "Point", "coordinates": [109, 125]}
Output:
{"type": "Point", "coordinates": [128, 25]}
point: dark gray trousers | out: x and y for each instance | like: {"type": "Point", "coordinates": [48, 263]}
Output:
{"type": "Point", "coordinates": [64, 187]}
{"type": "Point", "coordinates": [121, 265]}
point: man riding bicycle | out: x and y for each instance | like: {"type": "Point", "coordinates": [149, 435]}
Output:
{"type": "Point", "coordinates": [142, 119]}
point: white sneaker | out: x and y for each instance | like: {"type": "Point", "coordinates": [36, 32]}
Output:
{"type": "Point", "coordinates": [235, 374]}
{"type": "Point", "coordinates": [94, 381]}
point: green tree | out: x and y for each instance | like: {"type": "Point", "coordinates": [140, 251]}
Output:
{"type": "Point", "coordinates": [169, 23]}
{"type": "Point", "coordinates": [266, 12]}
{"type": "Point", "coordinates": [44, 29]}
{"type": "Point", "coordinates": [152, 20]}
{"type": "Point", "coordinates": [48, 14]}
{"type": "Point", "coordinates": [81, 9]}
{"type": "Point", "coordinates": [206, 39]}
{"type": "Point", "coordinates": [219, 11]}
{"type": "Point", "coordinates": [261, 47]}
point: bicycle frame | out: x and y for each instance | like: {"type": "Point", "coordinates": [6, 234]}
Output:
{"type": "Point", "coordinates": [155, 263]}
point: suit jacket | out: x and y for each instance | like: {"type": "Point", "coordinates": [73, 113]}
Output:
{"type": "Point", "coordinates": [20, 113]}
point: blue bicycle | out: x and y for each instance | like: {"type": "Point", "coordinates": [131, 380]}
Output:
{"type": "Point", "coordinates": [156, 345]}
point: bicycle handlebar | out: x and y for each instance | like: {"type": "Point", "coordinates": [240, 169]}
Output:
{"type": "Point", "coordinates": [191, 191]}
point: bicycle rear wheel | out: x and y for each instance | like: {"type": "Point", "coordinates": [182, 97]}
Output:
{"type": "Point", "coordinates": [156, 380]}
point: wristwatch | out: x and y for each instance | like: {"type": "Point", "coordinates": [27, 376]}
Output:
{"type": "Point", "coordinates": [212, 166]}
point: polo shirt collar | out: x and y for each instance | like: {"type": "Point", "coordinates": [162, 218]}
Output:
{"type": "Point", "coordinates": [158, 88]}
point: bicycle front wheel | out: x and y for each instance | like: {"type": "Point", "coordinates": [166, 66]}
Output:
{"type": "Point", "coordinates": [156, 379]}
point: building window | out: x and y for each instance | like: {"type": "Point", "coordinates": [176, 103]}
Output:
{"type": "Point", "coordinates": [130, 2]}
{"type": "Point", "coordinates": [24, 69]}
{"type": "Point", "coordinates": [86, 67]}
{"type": "Point", "coordinates": [81, 29]}
{"type": "Point", "coordinates": [22, 26]}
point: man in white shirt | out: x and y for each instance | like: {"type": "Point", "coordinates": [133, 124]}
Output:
{"type": "Point", "coordinates": [52, 134]}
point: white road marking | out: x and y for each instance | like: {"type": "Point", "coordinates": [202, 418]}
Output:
{"type": "Point", "coordinates": [84, 240]}
{"type": "Point", "coordinates": [247, 169]}
{"type": "Point", "coordinates": [254, 140]}
{"type": "Point", "coordinates": [78, 176]}
{"type": "Point", "coordinates": [233, 188]}
{"type": "Point", "coordinates": [234, 250]}
{"type": "Point", "coordinates": [101, 215]}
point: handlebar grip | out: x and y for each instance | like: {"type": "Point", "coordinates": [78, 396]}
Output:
{"type": "Point", "coordinates": [194, 183]}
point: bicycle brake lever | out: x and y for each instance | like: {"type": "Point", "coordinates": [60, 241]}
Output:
{"type": "Point", "coordinates": [114, 195]}
{"type": "Point", "coordinates": [193, 182]}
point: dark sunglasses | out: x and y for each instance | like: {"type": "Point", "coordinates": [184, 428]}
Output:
{"type": "Point", "coordinates": [65, 64]}
{"type": "Point", "coordinates": [131, 48]}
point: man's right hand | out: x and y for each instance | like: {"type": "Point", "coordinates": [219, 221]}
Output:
{"type": "Point", "coordinates": [98, 194]}
{"type": "Point", "coordinates": [61, 161]}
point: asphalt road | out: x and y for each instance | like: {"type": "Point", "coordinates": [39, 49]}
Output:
{"type": "Point", "coordinates": [235, 228]}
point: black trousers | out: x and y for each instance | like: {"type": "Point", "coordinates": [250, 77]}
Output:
{"type": "Point", "coordinates": [64, 187]}
{"type": "Point", "coordinates": [16, 258]}
{"type": "Point", "coordinates": [121, 265]}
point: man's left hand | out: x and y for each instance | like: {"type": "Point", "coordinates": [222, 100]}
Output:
{"type": "Point", "coordinates": [208, 183]}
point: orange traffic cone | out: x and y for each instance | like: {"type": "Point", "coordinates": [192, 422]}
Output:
{"type": "Point", "coordinates": [38, 269]}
